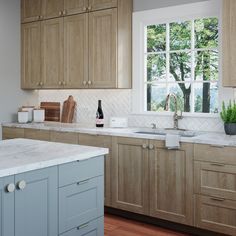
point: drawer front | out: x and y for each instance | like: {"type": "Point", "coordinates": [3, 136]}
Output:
{"type": "Point", "coordinates": [215, 214]}
{"type": "Point", "coordinates": [80, 170]}
{"type": "Point", "coordinates": [37, 134]}
{"type": "Point", "coordinates": [64, 137]}
{"type": "Point", "coordinates": [95, 140]}
{"type": "Point", "coordinates": [214, 153]}
{"type": "Point", "coordinates": [92, 228]}
{"type": "Point", "coordinates": [215, 179]}
{"type": "Point", "coordinates": [10, 133]}
{"type": "Point", "coordinates": [80, 203]}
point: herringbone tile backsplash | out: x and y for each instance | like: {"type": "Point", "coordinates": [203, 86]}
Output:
{"type": "Point", "coordinates": [118, 103]}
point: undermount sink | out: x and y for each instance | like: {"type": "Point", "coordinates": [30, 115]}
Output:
{"type": "Point", "coordinates": [181, 132]}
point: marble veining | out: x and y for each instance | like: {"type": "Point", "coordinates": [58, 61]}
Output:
{"type": "Point", "coordinates": [21, 155]}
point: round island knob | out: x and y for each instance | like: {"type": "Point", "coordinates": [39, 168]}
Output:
{"type": "Point", "coordinates": [10, 188]}
{"type": "Point", "coordinates": [21, 185]}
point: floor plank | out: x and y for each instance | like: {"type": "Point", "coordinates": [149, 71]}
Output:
{"type": "Point", "coordinates": [117, 226]}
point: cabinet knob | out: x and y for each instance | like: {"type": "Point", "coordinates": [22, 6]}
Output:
{"type": "Point", "coordinates": [64, 82]}
{"type": "Point", "coordinates": [84, 82]}
{"type": "Point", "coordinates": [41, 83]}
{"type": "Point", "coordinates": [89, 82]}
{"type": "Point", "coordinates": [64, 12]}
{"type": "Point", "coordinates": [90, 8]}
{"type": "Point", "coordinates": [39, 17]}
{"type": "Point", "coordinates": [60, 83]}
{"type": "Point", "coordinates": [21, 185]}
{"type": "Point", "coordinates": [145, 146]}
{"type": "Point", "coordinates": [84, 8]}
{"type": "Point", "coordinates": [10, 188]}
{"type": "Point", "coordinates": [151, 146]}
{"type": "Point", "coordinates": [60, 13]}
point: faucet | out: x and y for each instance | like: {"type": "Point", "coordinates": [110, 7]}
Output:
{"type": "Point", "coordinates": [176, 117]}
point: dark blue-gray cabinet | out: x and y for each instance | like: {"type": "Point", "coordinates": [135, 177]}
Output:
{"type": "Point", "coordinates": [29, 204]}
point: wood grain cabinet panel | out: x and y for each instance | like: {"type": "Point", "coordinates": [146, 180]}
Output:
{"type": "Point", "coordinates": [76, 51]}
{"type": "Point", "coordinates": [101, 141]}
{"type": "Point", "coordinates": [171, 181]}
{"type": "Point", "coordinates": [11, 133]}
{"type": "Point", "coordinates": [43, 135]}
{"type": "Point", "coordinates": [216, 214]}
{"type": "Point", "coordinates": [52, 53]}
{"type": "Point", "coordinates": [64, 137]}
{"type": "Point", "coordinates": [103, 49]}
{"type": "Point", "coordinates": [31, 55]}
{"type": "Point", "coordinates": [130, 182]}
{"type": "Point", "coordinates": [30, 10]}
{"type": "Point", "coordinates": [95, 5]}
{"type": "Point", "coordinates": [52, 8]}
{"type": "Point", "coordinates": [75, 6]}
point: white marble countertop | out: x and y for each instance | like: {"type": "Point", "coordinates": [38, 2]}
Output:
{"type": "Point", "coordinates": [21, 155]}
{"type": "Point", "coordinates": [212, 138]}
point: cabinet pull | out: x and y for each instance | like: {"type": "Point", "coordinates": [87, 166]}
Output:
{"type": "Point", "coordinates": [216, 199]}
{"type": "Point", "coordinates": [83, 182]}
{"type": "Point", "coordinates": [60, 13]}
{"type": "Point", "coordinates": [10, 188]}
{"type": "Point", "coordinates": [41, 83]}
{"type": "Point", "coordinates": [21, 185]}
{"type": "Point", "coordinates": [89, 82]}
{"type": "Point", "coordinates": [83, 226]}
{"type": "Point", "coordinates": [64, 12]}
{"type": "Point", "coordinates": [90, 8]}
{"type": "Point", "coordinates": [145, 146]}
{"type": "Point", "coordinates": [64, 83]}
{"type": "Point", "coordinates": [218, 164]}
{"type": "Point", "coordinates": [84, 83]}
{"type": "Point", "coordinates": [151, 147]}
{"type": "Point", "coordinates": [59, 83]}
{"type": "Point", "coordinates": [39, 17]}
{"type": "Point", "coordinates": [84, 8]}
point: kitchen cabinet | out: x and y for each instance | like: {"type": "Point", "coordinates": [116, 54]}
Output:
{"type": "Point", "coordinates": [43, 135]}
{"type": "Point", "coordinates": [101, 141]}
{"type": "Point", "coordinates": [64, 137]}
{"type": "Point", "coordinates": [215, 188]}
{"type": "Point", "coordinates": [130, 177]}
{"type": "Point", "coordinates": [31, 55]}
{"type": "Point", "coordinates": [11, 133]}
{"type": "Point", "coordinates": [52, 8]}
{"type": "Point", "coordinates": [72, 7]}
{"type": "Point", "coordinates": [229, 43]}
{"type": "Point", "coordinates": [95, 5]}
{"type": "Point", "coordinates": [31, 10]}
{"type": "Point", "coordinates": [171, 183]}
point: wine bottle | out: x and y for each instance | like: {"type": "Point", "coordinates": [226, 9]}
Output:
{"type": "Point", "coordinates": [99, 115]}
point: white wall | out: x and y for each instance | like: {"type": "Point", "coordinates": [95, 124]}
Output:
{"type": "Point", "coordinates": [11, 96]}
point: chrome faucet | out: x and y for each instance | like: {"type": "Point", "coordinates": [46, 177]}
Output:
{"type": "Point", "coordinates": [176, 117]}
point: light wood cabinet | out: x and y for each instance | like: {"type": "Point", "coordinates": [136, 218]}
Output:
{"type": "Point", "coordinates": [75, 6]}
{"type": "Point", "coordinates": [11, 133]}
{"type": "Point", "coordinates": [76, 51]}
{"type": "Point", "coordinates": [95, 5]}
{"type": "Point", "coordinates": [52, 53]}
{"type": "Point", "coordinates": [101, 141]}
{"type": "Point", "coordinates": [37, 134]}
{"type": "Point", "coordinates": [130, 179]}
{"type": "Point", "coordinates": [64, 137]}
{"type": "Point", "coordinates": [229, 43]}
{"type": "Point", "coordinates": [102, 49]}
{"type": "Point", "coordinates": [31, 10]}
{"type": "Point", "coordinates": [171, 183]}
{"type": "Point", "coordinates": [52, 8]}
{"type": "Point", "coordinates": [31, 55]}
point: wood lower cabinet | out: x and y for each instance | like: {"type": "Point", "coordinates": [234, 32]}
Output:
{"type": "Point", "coordinates": [11, 133]}
{"type": "Point", "coordinates": [64, 137]}
{"type": "Point", "coordinates": [130, 179]}
{"type": "Point", "coordinates": [101, 141]}
{"type": "Point", "coordinates": [43, 135]}
{"type": "Point", "coordinates": [171, 183]}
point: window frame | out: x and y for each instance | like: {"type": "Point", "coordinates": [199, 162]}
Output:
{"type": "Point", "coordinates": [162, 16]}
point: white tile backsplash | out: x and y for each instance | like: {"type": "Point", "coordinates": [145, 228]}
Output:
{"type": "Point", "coordinates": [118, 103]}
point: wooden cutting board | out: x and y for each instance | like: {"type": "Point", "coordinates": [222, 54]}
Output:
{"type": "Point", "coordinates": [68, 110]}
{"type": "Point", "coordinates": [52, 110]}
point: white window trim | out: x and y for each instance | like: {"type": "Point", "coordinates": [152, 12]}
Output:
{"type": "Point", "coordinates": [210, 8]}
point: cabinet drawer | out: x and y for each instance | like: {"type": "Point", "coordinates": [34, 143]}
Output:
{"type": "Point", "coordinates": [95, 140]}
{"type": "Point", "coordinates": [215, 179]}
{"type": "Point", "coordinates": [10, 133]}
{"type": "Point", "coordinates": [80, 203]}
{"type": "Point", "coordinates": [64, 137]}
{"type": "Point", "coordinates": [92, 228]}
{"type": "Point", "coordinates": [214, 153]}
{"type": "Point", "coordinates": [216, 214]}
{"type": "Point", "coordinates": [37, 134]}
{"type": "Point", "coordinates": [80, 170]}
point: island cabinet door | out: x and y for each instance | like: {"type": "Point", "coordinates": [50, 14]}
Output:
{"type": "Point", "coordinates": [36, 202]}
{"type": "Point", "coordinates": [7, 206]}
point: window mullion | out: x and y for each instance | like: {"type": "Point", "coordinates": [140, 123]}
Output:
{"type": "Point", "coordinates": [167, 56]}
{"type": "Point", "coordinates": [192, 67]}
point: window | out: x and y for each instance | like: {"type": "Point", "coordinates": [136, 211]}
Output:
{"type": "Point", "coordinates": [182, 58]}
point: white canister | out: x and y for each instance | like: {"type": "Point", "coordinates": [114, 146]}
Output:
{"type": "Point", "coordinates": [39, 115]}
{"type": "Point", "coordinates": [30, 111]}
{"type": "Point", "coordinates": [23, 116]}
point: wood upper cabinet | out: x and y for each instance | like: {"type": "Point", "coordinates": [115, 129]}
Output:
{"type": "Point", "coordinates": [76, 51]}
{"type": "Point", "coordinates": [52, 8]}
{"type": "Point", "coordinates": [130, 179]}
{"type": "Point", "coordinates": [75, 6]}
{"type": "Point", "coordinates": [103, 49]}
{"type": "Point", "coordinates": [31, 10]}
{"type": "Point", "coordinates": [95, 5]}
{"type": "Point", "coordinates": [30, 55]}
{"type": "Point", "coordinates": [52, 53]}
{"type": "Point", "coordinates": [171, 183]}
{"type": "Point", "coordinates": [229, 43]}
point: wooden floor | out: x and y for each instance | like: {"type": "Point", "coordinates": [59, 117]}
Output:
{"type": "Point", "coordinates": [117, 226]}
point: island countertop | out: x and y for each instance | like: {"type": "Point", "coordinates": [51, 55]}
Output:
{"type": "Point", "coordinates": [21, 155]}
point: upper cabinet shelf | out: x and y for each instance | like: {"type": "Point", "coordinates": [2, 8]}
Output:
{"type": "Point", "coordinates": [62, 49]}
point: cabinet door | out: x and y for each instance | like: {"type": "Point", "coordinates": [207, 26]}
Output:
{"type": "Point", "coordinates": [75, 6]}
{"type": "Point", "coordinates": [31, 56]}
{"type": "Point", "coordinates": [130, 182]}
{"type": "Point", "coordinates": [229, 43]}
{"type": "Point", "coordinates": [101, 141]}
{"type": "Point", "coordinates": [101, 4]}
{"type": "Point", "coordinates": [30, 10]}
{"type": "Point", "coordinates": [76, 50]}
{"type": "Point", "coordinates": [52, 8]}
{"type": "Point", "coordinates": [171, 183]}
{"type": "Point", "coordinates": [11, 133]}
{"type": "Point", "coordinates": [37, 134]}
{"type": "Point", "coordinates": [52, 50]}
{"type": "Point", "coordinates": [36, 205]}
{"type": "Point", "coordinates": [103, 49]}
{"type": "Point", "coordinates": [64, 137]}
{"type": "Point", "coordinates": [6, 207]}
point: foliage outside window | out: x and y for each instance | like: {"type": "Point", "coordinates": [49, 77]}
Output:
{"type": "Point", "coordinates": [182, 58]}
